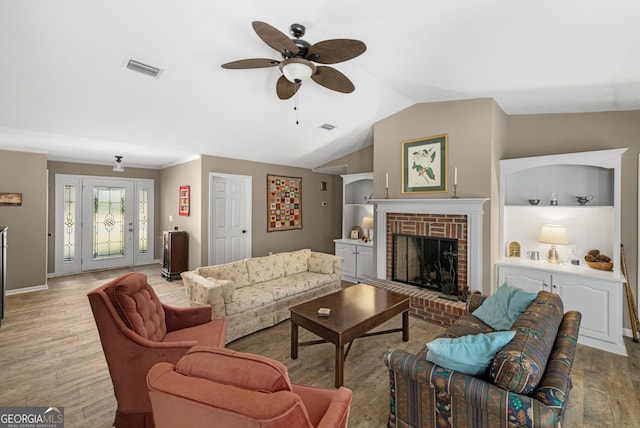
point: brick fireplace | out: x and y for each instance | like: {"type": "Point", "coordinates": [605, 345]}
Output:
{"type": "Point", "coordinates": [460, 219]}
{"type": "Point", "coordinates": [452, 226]}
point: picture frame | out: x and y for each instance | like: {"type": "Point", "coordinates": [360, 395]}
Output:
{"type": "Point", "coordinates": [11, 199]}
{"type": "Point", "coordinates": [184, 200]}
{"type": "Point", "coordinates": [424, 165]}
{"type": "Point", "coordinates": [284, 203]}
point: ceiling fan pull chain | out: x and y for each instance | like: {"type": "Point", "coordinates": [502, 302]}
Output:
{"type": "Point", "coordinates": [295, 107]}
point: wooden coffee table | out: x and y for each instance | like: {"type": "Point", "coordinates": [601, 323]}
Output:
{"type": "Point", "coordinates": [354, 312]}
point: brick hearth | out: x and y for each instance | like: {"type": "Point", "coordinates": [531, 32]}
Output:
{"type": "Point", "coordinates": [425, 304]}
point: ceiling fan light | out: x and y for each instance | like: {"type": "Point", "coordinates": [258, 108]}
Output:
{"type": "Point", "coordinates": [297, 70]}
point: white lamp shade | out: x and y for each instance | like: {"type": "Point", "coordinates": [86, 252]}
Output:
{"type": "Point", "coordinates": [553, 234]}
{"type": "Point", "coordinates": [367, 222]}
{"type": "Point", "coordinates": [297, 70]}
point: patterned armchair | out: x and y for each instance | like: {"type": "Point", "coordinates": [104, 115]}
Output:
{"type": "Point", "coordinates": [527, 386]}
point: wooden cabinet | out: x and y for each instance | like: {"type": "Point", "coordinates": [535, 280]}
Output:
{"type": "Point", "coordinates": [597, 296]}
{"type": "Point", "coordinates": [357, 259]}
{"type": "Point", "coordinates": [175, 258]}
{"type": "Point", "coordinates": [3, 264]}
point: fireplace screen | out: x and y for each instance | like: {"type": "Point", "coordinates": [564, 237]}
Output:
{"type": "Point", "coordinates": [426, 262]}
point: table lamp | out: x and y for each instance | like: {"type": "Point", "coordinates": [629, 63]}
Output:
{"type": "Point", "coordinates": [367, 223]}
{"type": "Point", "coordinates": [554, 234]}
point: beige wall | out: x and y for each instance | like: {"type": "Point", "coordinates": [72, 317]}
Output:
{"type": "Point", "coordinates": [469, 125]}
{"type": "Point", "coordinates": [186, 174]}
{"type": "Point", "coordinates": [320, 225]}
{"type": "Point", "coordinates": [356, 162]}
{"type": "Point", "coordinates": [56, 167]}
{"type": "Point", "coordinates": [25, 173]}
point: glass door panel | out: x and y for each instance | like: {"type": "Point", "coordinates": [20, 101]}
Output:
{"type": "Point", "coordinates": [108, 240]}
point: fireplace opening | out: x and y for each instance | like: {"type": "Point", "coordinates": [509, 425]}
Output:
{"type": "Point", "coordinates": [427, 262]}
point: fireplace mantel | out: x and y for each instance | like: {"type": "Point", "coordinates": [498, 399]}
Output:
{"type": "Point", "coordinates": [471, 207]}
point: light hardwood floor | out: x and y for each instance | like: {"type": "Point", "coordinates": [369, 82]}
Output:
{"type": "Point", "coordinates": [50, 355]}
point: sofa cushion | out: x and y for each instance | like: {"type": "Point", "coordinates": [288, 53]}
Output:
{"type": "Point", "coordinates": [320, 265]}
{"type": "Point", "coordinates": [470, 354]}
{"type": "Point", "coordinates": [284, 287]}
{"type": "Point", "coordinates": [246, 298]}
{"type": "Point", "coordinates": [246, 371]}
{"type": "Point", "coordinates": [296, 261]}
{"type": "Point", "coordinates": [465, 325]}
{"type": "Point", "coordinates": [502, 308]}
{"type": "Point", "coordinates": [262, 269]}
{"type": "Point", "coordinates": [236, 272]}
{"type": "Point", "coordinates": [520, 365]}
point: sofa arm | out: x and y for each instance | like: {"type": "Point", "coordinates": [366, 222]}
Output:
{"type": "Point", "coordinates": [204, 291]}
{"type": "Point", "coordinates": [474, 301]}
{"type": "Point", "coordinates": [337, 261]}
{"type": "Point", "coordinates": [421, 391]}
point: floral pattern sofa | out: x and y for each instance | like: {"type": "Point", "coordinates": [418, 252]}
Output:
{"type": "Point", "coordinates": [256, 293]}
{"type": "Point", "coordinates": [527, 385]}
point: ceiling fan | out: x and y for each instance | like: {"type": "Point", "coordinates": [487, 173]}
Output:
{"type": "Point", "coordinates": [298, 60]}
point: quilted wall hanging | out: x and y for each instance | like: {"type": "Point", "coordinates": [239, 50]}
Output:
{"type": "Point", "coordinates": [284, 203]}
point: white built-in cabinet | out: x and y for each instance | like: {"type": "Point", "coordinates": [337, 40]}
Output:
{"type": "Point", "coordinates": [357, 260]}
{"type": "Point", "coordinates": [357, 255]}
{"type": "Point", "coordinates": [598, 295]}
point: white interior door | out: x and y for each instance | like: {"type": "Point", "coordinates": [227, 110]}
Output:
{"type": "Point", "coordinates": [108, 228]}
{"type": "Point", "coordinates": [229, 218]}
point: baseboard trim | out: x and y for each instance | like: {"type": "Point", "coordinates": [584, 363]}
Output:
{"type": "Point", "coordinates": [27, 289]}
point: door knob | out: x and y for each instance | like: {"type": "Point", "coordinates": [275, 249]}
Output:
{"type": "Point", "coordinates": [244, 230]}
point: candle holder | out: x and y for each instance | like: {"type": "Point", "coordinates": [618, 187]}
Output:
{"type": "Point", "coordinates": [386, 193]}
{"type": "Point", "coordinates": [455, 192]}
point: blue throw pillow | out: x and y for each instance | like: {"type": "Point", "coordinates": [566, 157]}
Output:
{"type": "Point", "coordinates": [503, 308]}
{"type": "Point", "coordinates": [471, 354]}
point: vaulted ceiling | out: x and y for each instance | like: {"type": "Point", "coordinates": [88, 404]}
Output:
{"type": "Point", "coordinates": [64, 90]}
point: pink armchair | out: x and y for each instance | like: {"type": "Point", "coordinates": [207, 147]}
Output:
{"type": "Point", "coordinates": [137, 331]}
{"type": "Point", "coordinates": [222, 387]}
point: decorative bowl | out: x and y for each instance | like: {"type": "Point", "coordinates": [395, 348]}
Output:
{"type": "Point", "coordinates": [534, 201]}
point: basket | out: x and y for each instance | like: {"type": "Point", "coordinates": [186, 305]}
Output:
{"type": "Point", "coordinates": [600, 265]}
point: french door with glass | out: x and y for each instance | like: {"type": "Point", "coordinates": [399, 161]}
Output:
{"type": "Point", "coordinates": [102, 223]}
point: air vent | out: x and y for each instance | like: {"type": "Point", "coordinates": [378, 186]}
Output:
{"type": "Point", "coordinates": [144, 68]}
{"type": "Point", "coordinates": [327, 126]}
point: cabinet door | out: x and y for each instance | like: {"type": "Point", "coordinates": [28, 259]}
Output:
{"type": "Point", "coordinates": [529, 280]}
{"type": "Point", "coordinates": [599, 302]}
{"type": "Point", "coordinates": [348, 254]}
{"type": "Point", "coordinates": [364, 263]}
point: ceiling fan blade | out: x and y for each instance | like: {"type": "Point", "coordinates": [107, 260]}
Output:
{"type": "Point", "coordinates": [335, 50]}
{"type": "Point", "coordinates": [331, 78]}
{"type": "Point", "coordinates": [286, 89]}
{"type": "Point", "coordinates": [275, 38]}
{"type": "Point", "coordinates": [251, 63]}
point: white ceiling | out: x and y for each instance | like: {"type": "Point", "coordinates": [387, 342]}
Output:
{"type": "Point", "coordinates": [64, 91]}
